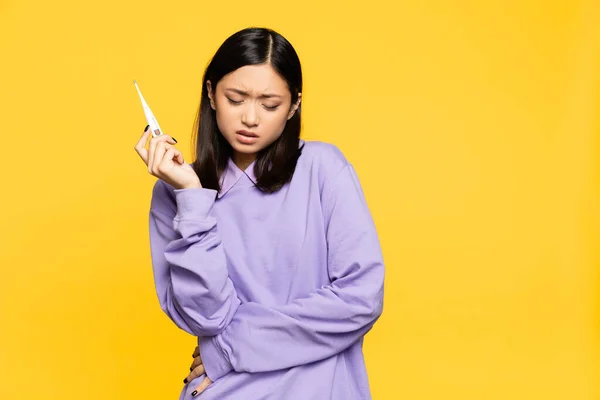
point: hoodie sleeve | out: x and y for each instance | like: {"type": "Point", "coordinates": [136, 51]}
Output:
{"type": "Point", "coordinates": [325, 322]}
{"type": "Point", "coordinates": [188, 261]}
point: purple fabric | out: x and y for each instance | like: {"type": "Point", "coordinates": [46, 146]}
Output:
{"type": "Point", "coordinates": [279, 288]}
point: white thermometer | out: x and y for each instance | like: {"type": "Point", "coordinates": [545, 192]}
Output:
{"type": "Point", "coordinates": [154, 127]}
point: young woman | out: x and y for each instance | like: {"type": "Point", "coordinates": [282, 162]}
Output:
{"type": "Point", "coordinates": [263, 247]}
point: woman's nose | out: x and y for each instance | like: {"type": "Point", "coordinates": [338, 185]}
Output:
{"type": "Point", "coordinates": [250, 116]}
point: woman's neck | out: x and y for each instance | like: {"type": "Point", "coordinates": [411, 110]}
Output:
{"type": "Point", "coordinates": [242, 161]}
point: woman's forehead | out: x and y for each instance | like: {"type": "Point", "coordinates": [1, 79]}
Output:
{"type": "Point", "coordinates": [255, 79]}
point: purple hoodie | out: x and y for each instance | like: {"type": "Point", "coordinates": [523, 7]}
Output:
{"type": "Point", "coordinates": [279, 288]}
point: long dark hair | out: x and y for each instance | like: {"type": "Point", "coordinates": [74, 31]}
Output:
{"type": "Point", "coordinates": [276, 163]}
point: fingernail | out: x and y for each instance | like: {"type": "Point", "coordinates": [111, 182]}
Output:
{"type": "Point", "coordinates": [146, 128]}
{"type": "Point", "coordinates": [195, 392]}
{"type": "Point", "coordinates": [185, 380]}
{"type": "Point", "coordinates": [174, 139]}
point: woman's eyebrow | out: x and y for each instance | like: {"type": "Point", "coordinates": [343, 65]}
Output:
{"type": "Point", "coordinates": [243, 93]}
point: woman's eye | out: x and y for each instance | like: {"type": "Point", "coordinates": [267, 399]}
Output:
{"type": "Point", "coordinates": [234, 102]}
{"type": "Point", "coordinates": [237, 103]}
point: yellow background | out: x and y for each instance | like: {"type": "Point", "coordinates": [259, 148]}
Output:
{"type": "Point", "coordinates": [473, 126]}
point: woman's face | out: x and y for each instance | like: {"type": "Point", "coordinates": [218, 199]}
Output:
{"type": "Point", "coordinates": [253, 104]}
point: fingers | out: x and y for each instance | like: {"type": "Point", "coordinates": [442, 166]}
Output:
{"type": "Point", "coordinates": [202, 386]}
{"type": "Point", "coordinates": [159, 153]}
{"type": "Point", "coordinates": [196, 372]}
{"type": "Point", "coordinates": [197, 368]}
{"type": "Point", "coordinates": [171, 154]}
{"type": "Point", "coordinates": [140, 146]}
{"type": "Point", "coordinates": [149, 154]}
{"type": "Point", "coordinates": [197, 362]}
{"type": "Point", "coordinates": [152, 149]}
{"type": "Point", "coordinates": [164, 156]}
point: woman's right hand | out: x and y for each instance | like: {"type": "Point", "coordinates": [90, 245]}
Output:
{"type": "Point", "coordinates": [164, 161]}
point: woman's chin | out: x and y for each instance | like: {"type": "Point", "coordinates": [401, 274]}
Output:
{"type": "Point", "coordinates": [245, 148]}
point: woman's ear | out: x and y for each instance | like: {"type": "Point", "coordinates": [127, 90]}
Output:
{"type": "Point", "coordinates": [295, 106]}
{"type": "Point", "coordinates": [211, 95]}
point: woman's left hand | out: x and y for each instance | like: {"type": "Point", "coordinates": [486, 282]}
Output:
{"type": "Point", "coordinates": [196, 370]}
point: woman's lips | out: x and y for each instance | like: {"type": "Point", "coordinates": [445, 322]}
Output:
{"type": "Point", "coordinates": [246, 137]}
{"type": "Point", "coordinates": [247, 133]}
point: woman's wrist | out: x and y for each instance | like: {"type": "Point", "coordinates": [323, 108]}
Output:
{"type": "Point", "coordinates": [193, 185]}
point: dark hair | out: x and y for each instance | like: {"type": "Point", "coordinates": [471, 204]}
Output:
{"type": "Point", "coordinates": [276, 163]}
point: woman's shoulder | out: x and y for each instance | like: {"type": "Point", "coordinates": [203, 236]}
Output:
{"type": "Point", "coordinates": [323, 155]}
{"type": "Point", "coordinates": [321, 162]}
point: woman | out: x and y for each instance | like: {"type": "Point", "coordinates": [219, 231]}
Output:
{"type": "Point", "coordinates": [263, 247]}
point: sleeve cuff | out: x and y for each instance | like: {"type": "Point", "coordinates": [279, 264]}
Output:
{"type": "Point", "coordinates": [194, 202]}
{"type": "Point", "coordinates": [214, 359]}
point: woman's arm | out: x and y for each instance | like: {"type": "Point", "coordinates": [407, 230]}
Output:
{"type": "Point", "coordinates": [190, 270]}
{"type": "Point", "coordinates": [326, 322]}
